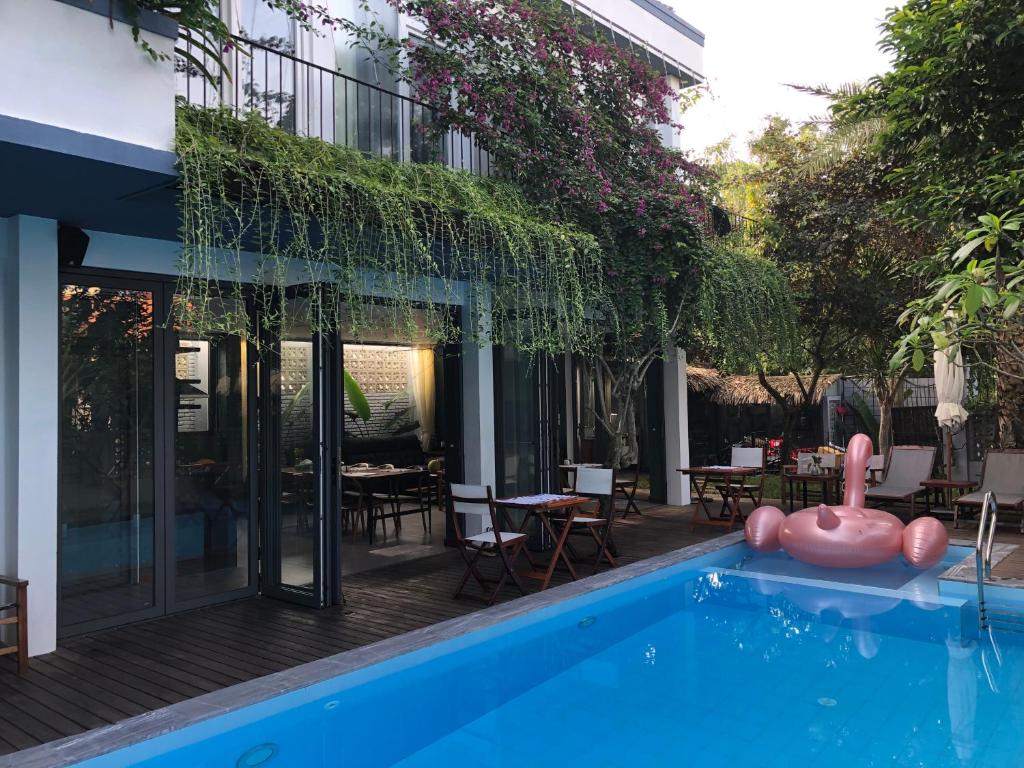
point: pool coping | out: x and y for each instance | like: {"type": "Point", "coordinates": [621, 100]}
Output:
{"type": "Point", "coordinates": [159, 722]}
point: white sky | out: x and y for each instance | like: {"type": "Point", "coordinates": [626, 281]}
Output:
{"type": "Point", "coordinates": [752, 47]}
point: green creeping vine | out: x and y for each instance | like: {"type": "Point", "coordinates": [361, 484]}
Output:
{"type": "Point", "coordinates": [745, 313]}
{"type": "Point", "coordinates": [372, 238]}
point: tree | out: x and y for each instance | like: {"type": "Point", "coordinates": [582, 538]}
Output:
{"type": "Point", "coordinates": [953, 111]}
{"type": "Point", "coordinates": [570, 118]}
{"type": "Point", "coordinates": [846, 263]}
{"type": "Point", "coordinates": [975, 306]}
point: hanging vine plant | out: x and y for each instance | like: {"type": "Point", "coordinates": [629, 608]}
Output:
{"type": "Point", "coordinates": [374, 242]}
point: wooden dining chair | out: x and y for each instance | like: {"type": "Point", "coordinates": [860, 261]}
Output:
{"type": "Point", "coordinates": [596, 483]}
{"type": "Point", "coordinates": [19, 620]}
{"type": "Point", "coordinates": [476, 502]}
{"type": "Point", "coordinates": [751, 486]}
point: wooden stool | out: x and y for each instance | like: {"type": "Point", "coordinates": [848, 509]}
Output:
{"type": "Point", "coordinates": [20, 618]}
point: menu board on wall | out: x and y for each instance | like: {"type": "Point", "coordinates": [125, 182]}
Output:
{"type": "Point", "coordinates": [192, 374]}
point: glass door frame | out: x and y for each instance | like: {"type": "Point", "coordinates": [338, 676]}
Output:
{"type": "Point", "coordinates": [270, 471]}
{"type": "Point", "coordinates": [161, 288]}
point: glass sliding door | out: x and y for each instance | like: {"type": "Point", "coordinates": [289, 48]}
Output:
{"type": "Point", "coordinates": [525, 393]}
{"type": "Point", "coordinates": [109, 542]}
{"type": "Point", "coordinates": [296, 486]}
{"type": "Point", "coordinates": [157, 502]}
{"type": "Point", "coordinates": [213, 517]}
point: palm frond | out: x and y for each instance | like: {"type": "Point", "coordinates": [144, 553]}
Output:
{"type": "Point", "coordinates": [833, 93]}
{"type": "Point", "coordinates": [843, 140]}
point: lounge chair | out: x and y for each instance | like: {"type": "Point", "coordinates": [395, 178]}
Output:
{"type": "Point", "coordinates": [908, 466]}
{"type": "Point", "coordinates": [476, 501]}
{"type": "Point", "coordinates": [1003, 475]}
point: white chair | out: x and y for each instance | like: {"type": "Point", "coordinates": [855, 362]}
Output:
{"type": "Point", "coordinates": [476, 501]}
{"type": "Point", "coordinates": [596, 483]}
{"type": "Point", "coordinates": [751, 486]}
{"type": "Point", "coordinates": [907, 468]}
{"type": "Point", "coordinates": [1003, 475]}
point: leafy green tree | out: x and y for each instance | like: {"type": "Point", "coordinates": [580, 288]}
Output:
{"type": "Point", "coordinates": [847, 265]}
{"type": "Point", "coordinates": [953, 109]}
{"type": "Point", "coordinates": [975, 306]}
{"type": "Point", "coordinates": [953, 137]}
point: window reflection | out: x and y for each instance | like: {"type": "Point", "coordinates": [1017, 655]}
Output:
{"type": "Point", "coordinates": [106, 453]}
{"type": "Point", "coordinates": [211, 466]}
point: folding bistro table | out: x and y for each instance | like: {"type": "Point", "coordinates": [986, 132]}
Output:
{"type": "Point", "coordinates": [544, 506]}
{"type": "Point", "coordinates": [727, 476]}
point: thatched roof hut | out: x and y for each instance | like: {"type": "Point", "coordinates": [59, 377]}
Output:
{"type": "Point", "coordinates": [702, 380]}
{"type": "Point", "coordinates": [747, 390]}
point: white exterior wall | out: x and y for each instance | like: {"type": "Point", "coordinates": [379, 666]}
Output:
{"type": "Point", "coordinates": [677, 432]}
{"type": "Point", "coordinates": [67, 67]}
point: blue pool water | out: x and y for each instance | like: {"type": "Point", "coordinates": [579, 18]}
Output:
{"type": "Point", "coordinates": [701, 664]}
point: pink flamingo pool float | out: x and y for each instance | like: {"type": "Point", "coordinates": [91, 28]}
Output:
{"type": "Point", "coordinates": [848, 535]}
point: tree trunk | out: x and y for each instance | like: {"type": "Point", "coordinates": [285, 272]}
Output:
{"type": "Point", "coordinates": [885, 406]}
{"type": "Point", "coordinates": [1010, 401]}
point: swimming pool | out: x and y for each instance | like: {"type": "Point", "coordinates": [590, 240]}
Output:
{"type": "Point", "coordinates": [694, 664]}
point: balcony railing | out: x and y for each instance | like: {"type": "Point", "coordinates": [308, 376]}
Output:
{"type": "Point", "coordinates": [306, 99]}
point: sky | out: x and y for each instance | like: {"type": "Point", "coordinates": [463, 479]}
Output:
{"type": "Point", "coordinates": [753, 47]}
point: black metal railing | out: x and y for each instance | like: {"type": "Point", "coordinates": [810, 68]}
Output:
{"type": "Point", "coordinates": [306, 99]}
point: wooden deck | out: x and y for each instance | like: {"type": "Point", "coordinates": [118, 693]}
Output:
{"type": "Point", "coordinates": [104, 677]}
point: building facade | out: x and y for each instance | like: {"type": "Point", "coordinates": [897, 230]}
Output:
{"type": "Point", "coordinates": [144, 471]}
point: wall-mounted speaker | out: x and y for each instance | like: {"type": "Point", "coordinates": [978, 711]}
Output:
{"type": "Point", "coordinates": [72, 243]}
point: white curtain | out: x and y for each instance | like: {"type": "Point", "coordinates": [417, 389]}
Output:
{"type": "Point", "coordinates": [949, 389]}
{"type": "Point", "coordinates": [421, 383]}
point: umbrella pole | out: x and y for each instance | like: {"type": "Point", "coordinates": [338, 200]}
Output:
{"type": "Point", "coordinates": [947, 437]}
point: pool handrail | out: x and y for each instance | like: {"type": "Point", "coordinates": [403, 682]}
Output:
{"type": "Point", "coordinates": [983, 551]}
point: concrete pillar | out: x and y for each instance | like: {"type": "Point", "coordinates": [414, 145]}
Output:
{"type": "Point", "coordinates": [478, 414]}
{"type": "Point", "coordinates": [677, 433]}
{"type": "Point", "coordinates": [31, 401]}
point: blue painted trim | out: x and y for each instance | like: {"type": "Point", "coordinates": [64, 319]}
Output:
{"type": "Point", "coordinates": [14, 130]}
{"type": "Point", "coordinates": [148, 20]}
{"type": "Point", "coordinates": [666, 15]}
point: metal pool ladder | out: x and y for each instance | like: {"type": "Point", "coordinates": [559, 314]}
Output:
{"type": "Point", "coordinates": [983, 552]}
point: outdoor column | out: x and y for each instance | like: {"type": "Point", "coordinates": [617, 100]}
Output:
{"type": "Point", "coordinates": [478, 415]}
{"type": "Point", "coordinates": [30, 355]}
{"type": "Point", "coordinates": [677, 433]}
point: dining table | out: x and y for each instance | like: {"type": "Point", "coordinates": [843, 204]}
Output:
{"type": "Point", "coordinates": [546, 507]}
{"type": "Point", "coordinates": [367, 479]}
{"type": "Point", "coordinates": [725, 477]}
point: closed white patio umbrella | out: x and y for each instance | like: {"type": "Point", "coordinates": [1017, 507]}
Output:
{"type": "Point", "coordinates": [949, 392]}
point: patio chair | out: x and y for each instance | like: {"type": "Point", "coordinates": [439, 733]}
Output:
{"type": "Point", "coordinates": [751, 486]}
{"type": "Point", "coordinates": [625, 487]}
{"type": "Point", "coordinates": [599, 484]}
{"type": "Point", "coordinates": [908, 466]}
{"type": "Point", "coordinates": [1003, 475]}
{"type": "Point", "coordinates": [19, 619]}
{"type": "Point", "coordinates": [875, 469]}
{"type": "Point", "coordinates": [477, 501]}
